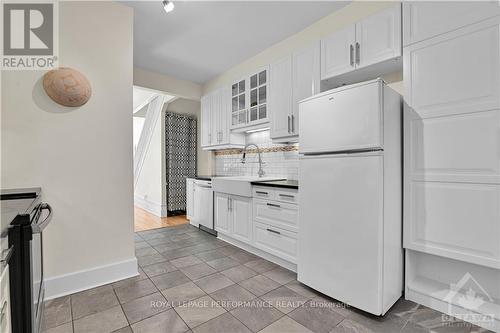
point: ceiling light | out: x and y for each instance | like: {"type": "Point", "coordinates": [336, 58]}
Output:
{"type": "Point", "coordinates": [168, 6]}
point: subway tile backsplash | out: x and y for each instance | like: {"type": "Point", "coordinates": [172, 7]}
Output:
{"type": "Point", "coordinates": [281, 160]}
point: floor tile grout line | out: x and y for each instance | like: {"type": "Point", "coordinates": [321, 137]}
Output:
{"type": "Point", "coordinates": [178, 314]}
{"type": "Point", "coordinates": [121, 306]}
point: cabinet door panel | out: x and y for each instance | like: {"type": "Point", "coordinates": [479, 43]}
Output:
{"type": "Point", "coordinates": [279, 242]}
{"type": "Point", "coordinates": [225, 115]}
{"type": "Point", "coordinates": [241, 216]}
{"type": "Point", "coordinates": [426, 19]}
{"type": "Point", "coordinates": [215, 117]}
{"type": "Point", "coordinates": [221, 213]}
{"type": "Point", "coordinates": [458, 148]}
{"type": "Point", "coordinates": [306, 79]}
{"type": "Point", "coordinates": [206, 127]}
{"type": "Point", "coordinates": [378, 37]}
{"type": "Point", "coordinates": [451, 178]}
{"type": "Point", "coordinates": [280, 100]}
{"type": "Point", "coordinates": [336, 55]}
{"type": "Point", "coordinates": [454, 73]}
{"type": "Point", "coordinates": [470, 210]}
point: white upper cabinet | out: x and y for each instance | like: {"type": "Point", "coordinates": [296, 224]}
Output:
{"type": "Point", "coordinates": [239, 102]}
{"type": "Point", "coordinates": [292, 79]}
{"type": "Point", "coordinates": [456, 72]}
{"type": "Point", "coordinates": [375, 39]}
{"type": "Point", "coordinates": [206, 119]}
{"type": "Point", "coordinates": [258, 97]}
{"type": "Point", "coordinates": [249, 100]}
{"type": "Point", "coordinates": [426, 19]}
{"type": "Point", "coordinates": [280, 99]}
{"type": "Point", "coordinates": [216, 121]}
{"type": "Point", "coordinates": [224, 115]}
{"type": "Point", "coordinates": [215, 104]}
{"type": "Point", "coordinates": [337, 52]}
{"type": "Point", "coordinates": [306, 79]}
{"type": "Point", "coordinates": [378, 37]}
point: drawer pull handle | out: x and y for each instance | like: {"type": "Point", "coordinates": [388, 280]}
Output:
{"type": "Point", "coordinates": [274, 231]}
{"type": "Point", "coordinates": [261, 192]}
{"type": "Point", "coordinates": [273, 205]}
{"type": "Point", "coordinates": [287, 196]}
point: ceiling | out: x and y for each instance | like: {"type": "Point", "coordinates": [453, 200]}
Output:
{"type": "Point", "coordinates": [201, 39]}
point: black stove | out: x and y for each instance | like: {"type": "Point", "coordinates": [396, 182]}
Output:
{"type": "Point", "coordinates": [24, 217]}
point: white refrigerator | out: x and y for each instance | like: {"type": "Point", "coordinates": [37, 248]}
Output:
{"type": "Point", "coordinates": [350, 244]}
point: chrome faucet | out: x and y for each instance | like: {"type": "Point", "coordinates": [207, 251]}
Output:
{"type": "Point", "coordinates": [243, 159]}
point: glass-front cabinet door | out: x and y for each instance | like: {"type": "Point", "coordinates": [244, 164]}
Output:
{"type": "Point", "coordinates": [238, 108]}
{"type": "Point", "coordinates": [258, 96]}
{"type": "Point", "coordinates": [249, 99]}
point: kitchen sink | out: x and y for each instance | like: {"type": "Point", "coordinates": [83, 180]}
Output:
{"type": "Point", "coordinates": [238, 185]}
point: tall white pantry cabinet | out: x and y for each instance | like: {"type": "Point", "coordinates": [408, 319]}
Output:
{"type": "Point", "coordinates": [452, 158]}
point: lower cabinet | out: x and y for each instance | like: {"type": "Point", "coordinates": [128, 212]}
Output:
{"type": "Point", "coordinates": [268, 221]}
{"type": "Point", "coordinates": [277, 241]}
{"type": "Point", "coordinates": [221, 213]}
{"type": "Point", "coordinates": [241, 213]}
{"type": "Point", "coordinates": [233, 216]}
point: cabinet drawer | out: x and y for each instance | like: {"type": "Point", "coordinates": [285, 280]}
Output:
{"type": "Point", "coordinates": [263, 192]}
{"type": "Point", "coordinates": [287, 195]}
{"type": "Point", "coordinates": [276, 241]}
{"type": "Point", "coordinates": [278, 214]}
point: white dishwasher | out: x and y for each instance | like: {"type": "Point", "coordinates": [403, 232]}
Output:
{"type": "Point", "coordinates": [204, 205]}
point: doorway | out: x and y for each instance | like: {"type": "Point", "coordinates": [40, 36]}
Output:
{"type": "Point", "coordinates": [164, 155]}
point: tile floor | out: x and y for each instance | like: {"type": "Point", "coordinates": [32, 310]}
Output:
{"type": "Point", "coordinates": [192, 282]}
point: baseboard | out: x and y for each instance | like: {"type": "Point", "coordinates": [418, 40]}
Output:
{"type": "Point", "coordinates": [151, 207]}
{"type": "Point", "coordinates": [66, 284]}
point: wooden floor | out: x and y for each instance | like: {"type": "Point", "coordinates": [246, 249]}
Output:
{"type": "Point", "coordinates": [144, 220]}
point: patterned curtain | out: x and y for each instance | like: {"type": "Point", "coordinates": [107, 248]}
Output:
{"type": "Point", "coordinates": [180, 151]}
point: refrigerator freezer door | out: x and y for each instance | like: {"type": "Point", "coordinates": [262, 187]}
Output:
{"type": "Point", "coordinates": [340, 238]}
{"type": "Point", "coordinates": [349, 119]}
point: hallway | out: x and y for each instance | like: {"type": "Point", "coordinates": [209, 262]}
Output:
{"type": "Point", "coordinates": [144, 220]}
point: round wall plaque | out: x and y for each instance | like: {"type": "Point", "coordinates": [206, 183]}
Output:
{"type": "Point", "coordinates": [67, 86]}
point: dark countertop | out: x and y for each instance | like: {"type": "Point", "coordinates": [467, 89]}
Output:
{"type": "Point", "coordinates": [204, 177]}
{"type": "Point", "coordinates": [278, 183]}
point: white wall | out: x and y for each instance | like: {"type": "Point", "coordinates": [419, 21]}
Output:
{"type": "Point", "coordinates": [347, 15]}
{"type": "Point", "coordinates": [138, 126]}
{"type": "Point", "coordinates": [148, 192]}
{"type": "Point", "coordinates": [81, 157]}
{"type": "Point", "coordinates": [166, 83]}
